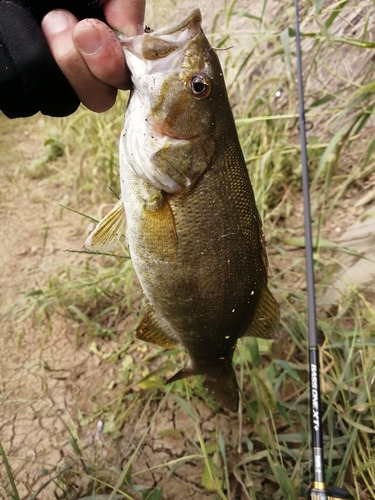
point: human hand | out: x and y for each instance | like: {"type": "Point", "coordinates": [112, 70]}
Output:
{"type": "Point", "coordinates": [88, 52]}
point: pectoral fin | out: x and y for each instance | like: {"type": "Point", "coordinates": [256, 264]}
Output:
{"type": "Point", "coordinates": [107, 233]}
{"type": "Point", "coordinates": [265, 322]}
{"type": "Point", "coordinates": [158, 229]}
{"type": "Point", "coordinates": [152, 328]}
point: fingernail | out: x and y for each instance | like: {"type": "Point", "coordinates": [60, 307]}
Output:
{"type": "Point", "coordinates": [56, 21]}
{"type": "Point", "coordinates": [88, 40]}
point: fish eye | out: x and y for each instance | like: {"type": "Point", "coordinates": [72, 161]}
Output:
{"type": "Point", "coordinates": [200, 86]}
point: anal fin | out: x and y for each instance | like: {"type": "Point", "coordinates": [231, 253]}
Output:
{"type": "Point", "coordinates": [265, 321]}
{"type": "Point", "coordinates": [185, 372]}
{"type": "Point", "coordinates": [152, 328]}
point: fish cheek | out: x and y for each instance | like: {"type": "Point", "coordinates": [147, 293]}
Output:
{"type": "Point", "coordinates": [168, 108]}
{"type": "Point", "coordinates": [184, 161]}
{"type": "Point", "coordinates": [177, 114]}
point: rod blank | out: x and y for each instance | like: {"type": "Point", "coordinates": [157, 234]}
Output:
{"type": "Point", "coordinates": [319, 489]}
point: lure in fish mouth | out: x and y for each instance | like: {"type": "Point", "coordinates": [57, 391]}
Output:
{"type": "Point", "coordinates": [193, 228]}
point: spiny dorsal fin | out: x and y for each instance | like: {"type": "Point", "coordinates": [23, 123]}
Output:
{"type": "Point", "coordinates": [152, 328]}
{"type": "Point", "coordinates": [107, 233]}
{"type": "Point", "coordinates": [265, 322]}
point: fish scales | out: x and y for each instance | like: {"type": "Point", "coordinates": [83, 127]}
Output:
{"type": "Point", "coordinates": [193, 228]}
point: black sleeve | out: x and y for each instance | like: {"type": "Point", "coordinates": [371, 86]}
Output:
{"type": "Point", "coordinates": [30, 79]}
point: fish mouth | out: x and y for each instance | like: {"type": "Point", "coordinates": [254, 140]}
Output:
{"type": "Point", "coordinates": [164, 41]}
{"type": "Point", "coordinates": [190, 21]}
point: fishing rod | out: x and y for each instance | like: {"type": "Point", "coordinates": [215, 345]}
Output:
{"type": "Point", "coordinates": [319, 490]}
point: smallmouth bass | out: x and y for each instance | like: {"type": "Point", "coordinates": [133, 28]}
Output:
{"type": "Point", "coordinates": [194, 232]}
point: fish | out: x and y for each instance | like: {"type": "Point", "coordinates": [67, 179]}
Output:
{"type": "Point", "coordinates": [193, 229]}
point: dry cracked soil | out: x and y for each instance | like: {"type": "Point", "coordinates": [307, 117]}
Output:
{"type": "Point", "coordinates": [41, 376]}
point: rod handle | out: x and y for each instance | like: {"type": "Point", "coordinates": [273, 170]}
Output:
{"type": "Point", "coordinates": [321, 492]}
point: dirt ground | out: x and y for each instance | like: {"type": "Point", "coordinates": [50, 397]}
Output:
{"type": "Point", "coordinates": [36, 409]}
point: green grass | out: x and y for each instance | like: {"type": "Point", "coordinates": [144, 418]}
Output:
{"type": "Point", "coordinates": [263, 452]}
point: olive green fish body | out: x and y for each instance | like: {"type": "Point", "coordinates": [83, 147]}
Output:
{"type": "Point", "coordinates": [193, 229]}
{"type": "Point", "coordinates": [203, 272]}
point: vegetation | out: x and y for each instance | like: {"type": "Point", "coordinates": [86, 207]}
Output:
{"type": "Point", "coordinates": [263, 452]}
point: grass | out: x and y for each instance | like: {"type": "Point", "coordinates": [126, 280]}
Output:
{"type": "Point", "coordinates": [178, 436]}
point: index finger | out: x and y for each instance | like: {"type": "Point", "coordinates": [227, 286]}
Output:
{"type": "Point", "coordinates": [125, 15]}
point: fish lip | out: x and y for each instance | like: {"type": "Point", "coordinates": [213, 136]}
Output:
{"type": "Point", "coordinates": [191, 22]}
{"type": "Point", "coordinates": [193, 18]}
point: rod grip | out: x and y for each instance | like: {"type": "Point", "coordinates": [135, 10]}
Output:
{"type": "Point", "coordinates": [321, 492]}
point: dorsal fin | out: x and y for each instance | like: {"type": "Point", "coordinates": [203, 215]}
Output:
{"type": "Point", "coordinates": [266, 319]}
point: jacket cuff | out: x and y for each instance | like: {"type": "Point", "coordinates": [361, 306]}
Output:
{"type": "Point", "coordinates": [30, 79]}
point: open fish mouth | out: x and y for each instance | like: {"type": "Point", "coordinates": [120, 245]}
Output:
{"type": "Point", "coordinates": [190, 21]}
{"type": "Point", "coordinates": [163, 42]}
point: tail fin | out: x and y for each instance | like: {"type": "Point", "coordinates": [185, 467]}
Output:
{"type": "Point", "coordinates": [224, 389]}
